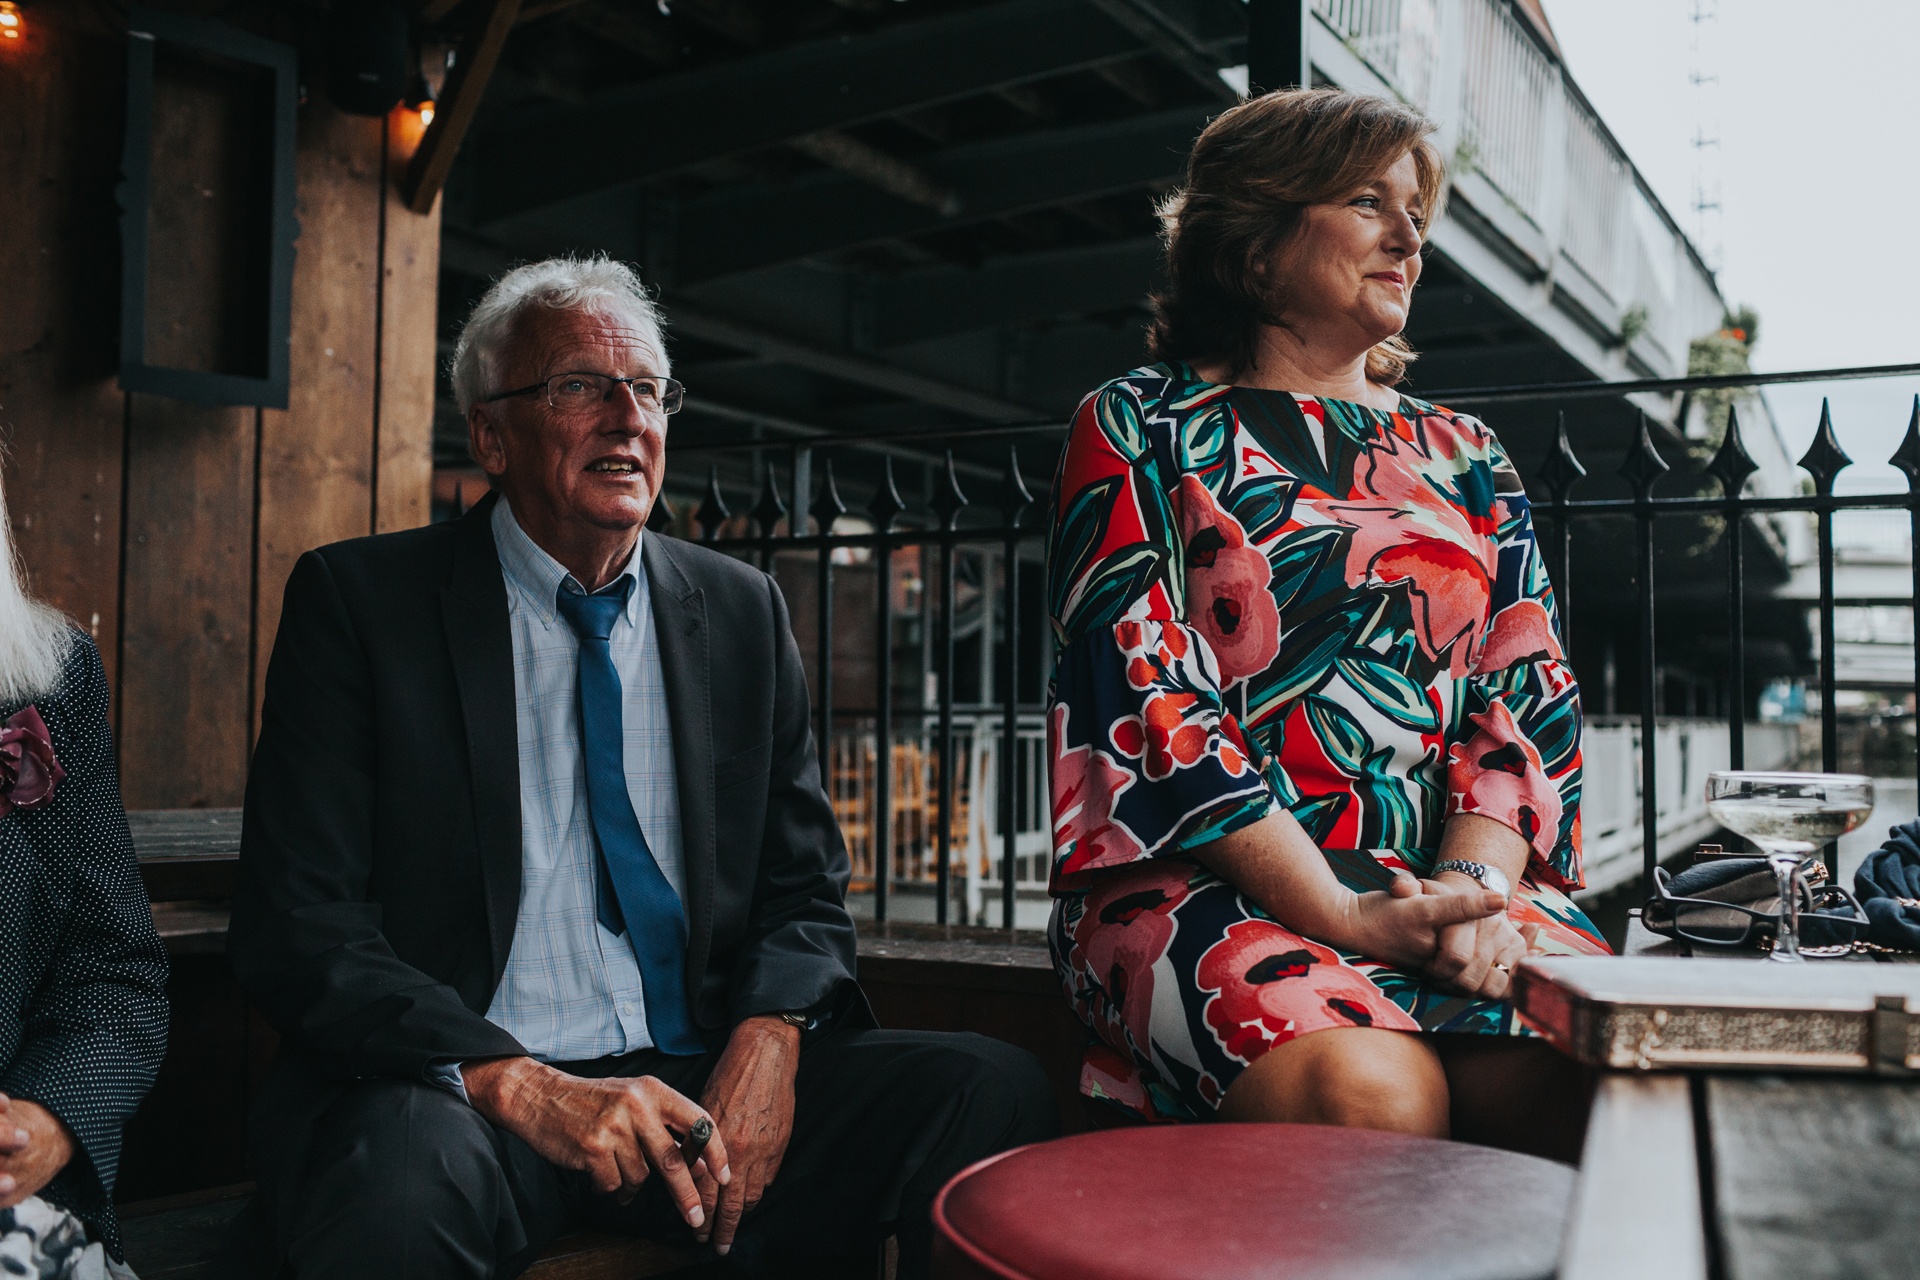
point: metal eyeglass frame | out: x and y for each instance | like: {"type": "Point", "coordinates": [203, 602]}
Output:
{"type": "Point", "coordinates": [673, 392]}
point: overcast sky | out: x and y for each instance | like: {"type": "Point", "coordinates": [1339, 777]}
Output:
{"type": "Point", "coordinates": [1819, 175]}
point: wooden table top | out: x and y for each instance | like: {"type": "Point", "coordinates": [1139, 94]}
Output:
{"type": "Point", "coordinates": [1747, 1175]}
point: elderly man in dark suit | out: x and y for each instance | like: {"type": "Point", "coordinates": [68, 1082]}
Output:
{"type": "Point", "coordinates": [537, 872]}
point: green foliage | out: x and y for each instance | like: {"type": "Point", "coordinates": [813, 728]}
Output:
{"type": "Point", "coordinates": [1723, 353]}
{"type": "Point", "coordinates": [1633, 323]}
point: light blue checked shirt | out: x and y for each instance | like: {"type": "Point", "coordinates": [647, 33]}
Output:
{"type": "Point", "coordinates": [572, 990]}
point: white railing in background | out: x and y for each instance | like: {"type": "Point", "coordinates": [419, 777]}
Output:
{"type": "Point", "coordinates": [1598, 184]}
{"type": "Point", "coordinates": [1504, 97]}
{"type": "Point", "coordinates": [1687, 748]}
{"type": "Point", "coordinates": [1394, 37]}
{"type": "Point", "coordinates": [1508, 112]}
{"type": "Point", "coordinates": [852, 774]}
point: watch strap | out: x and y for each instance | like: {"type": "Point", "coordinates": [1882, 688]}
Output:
{"type": "Point", "coordinates": [1489, 877]}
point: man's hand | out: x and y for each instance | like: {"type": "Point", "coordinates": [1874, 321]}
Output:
{"type": "Point", "coordinates": [612, 1129]}
{"type": "Point", "coordinates": [751, 1097]}
{"type": "Point", "coordinates": [34, 1146]}
{"type": "Point", "coordinates": [1477, 958]}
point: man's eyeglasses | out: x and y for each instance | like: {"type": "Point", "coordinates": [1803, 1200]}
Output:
{"type": "Point", "coordinates": [581, 392]}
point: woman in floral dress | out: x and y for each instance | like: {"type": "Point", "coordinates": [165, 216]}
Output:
{"type": "Point", "coordinates": [1307, 655]}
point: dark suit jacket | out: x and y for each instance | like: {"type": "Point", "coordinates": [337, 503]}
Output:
{"type": "Point", "coordinates": [380, 854]}
{"type": "Point", "coordinates": [83, 976]}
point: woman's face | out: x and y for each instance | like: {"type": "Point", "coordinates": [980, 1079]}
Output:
{"type": "Point", "coordinates": [1348, 275]}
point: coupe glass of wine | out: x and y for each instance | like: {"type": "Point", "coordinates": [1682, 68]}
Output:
{"type": "Point", "coordinates": [1789, 816]}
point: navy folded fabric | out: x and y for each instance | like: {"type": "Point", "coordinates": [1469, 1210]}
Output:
{"type": "Point", "coordinates": [1893, 871]}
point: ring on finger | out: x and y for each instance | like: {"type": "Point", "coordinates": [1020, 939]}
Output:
{"type": "Point", "coordinates": [1504, 968]}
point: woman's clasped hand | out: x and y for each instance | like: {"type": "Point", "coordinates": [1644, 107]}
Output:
{"type": "Point", "coordinates": [1450, 929]}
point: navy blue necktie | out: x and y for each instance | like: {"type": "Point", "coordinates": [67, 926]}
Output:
{"type": "Point", "coordinates": [632, 891]}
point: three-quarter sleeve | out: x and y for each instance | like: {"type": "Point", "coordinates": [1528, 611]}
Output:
{"type": "Point", "coordinates": [1513, 752]}
{"type": "Point", "coordinates": [1147, 760]}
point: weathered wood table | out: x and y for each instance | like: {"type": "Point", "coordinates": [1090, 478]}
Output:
{"type": "Point", "coordinates": [1745, 1175]}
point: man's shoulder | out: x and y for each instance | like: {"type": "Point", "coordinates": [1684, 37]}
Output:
{"type": "Point", "coordinates": [407, 557]}
{"type": "Point", "coordinates": [703, 567]}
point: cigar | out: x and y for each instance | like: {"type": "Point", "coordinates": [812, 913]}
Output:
{"type": "Point", "coordinates": [697, 1138]}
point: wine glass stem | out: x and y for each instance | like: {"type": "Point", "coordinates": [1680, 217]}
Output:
{"type": "Point", "coordinates": [1786, 946]}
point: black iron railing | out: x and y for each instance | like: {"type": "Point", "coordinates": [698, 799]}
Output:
{"type": "Point", "coordinates": [774, 532]}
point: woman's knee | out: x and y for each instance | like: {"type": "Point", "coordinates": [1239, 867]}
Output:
{"type": "Point", "coordinates": [1357, 1077]}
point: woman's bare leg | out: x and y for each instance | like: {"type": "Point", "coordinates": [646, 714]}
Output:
{"type": "Point", "coordinates": [1360, 1077]}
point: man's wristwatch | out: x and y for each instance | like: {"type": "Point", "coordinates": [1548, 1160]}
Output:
{"type": "Point", "coordinates": [1489, 877]}
{"type": "Point", "coordinates": [800, 1021]}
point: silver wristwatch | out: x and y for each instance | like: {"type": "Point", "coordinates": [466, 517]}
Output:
{"type": "Point", "coordinates": [1489, 877]}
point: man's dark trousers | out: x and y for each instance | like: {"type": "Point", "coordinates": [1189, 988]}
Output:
{"type": "Point", "coordinates": [405, 1180]}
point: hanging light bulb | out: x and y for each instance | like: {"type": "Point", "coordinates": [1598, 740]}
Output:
{"type": "Point", "coordinates": [420, 96]}
{"type": "Point", "coordinates": [10, 24]}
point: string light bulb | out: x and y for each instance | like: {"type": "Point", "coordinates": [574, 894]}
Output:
{"type": "Point", "coordinates": [10, 24]}
{"type": "Point", "coordinates": [425, 108]}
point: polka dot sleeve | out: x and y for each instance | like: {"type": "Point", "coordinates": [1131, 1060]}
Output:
{"type": "Point", "coordinates": [84, 1022]}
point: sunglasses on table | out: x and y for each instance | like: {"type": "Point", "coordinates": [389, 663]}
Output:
{"type": "Point", "coordinates": [1830, 917]}
{"type": "Point", "coordinates": [579, 392]}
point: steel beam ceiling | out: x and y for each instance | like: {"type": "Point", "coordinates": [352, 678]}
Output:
{"type": "Point", "coordinates": [541, 157]}
{"type": "Point", "coordinates": [749, 229]}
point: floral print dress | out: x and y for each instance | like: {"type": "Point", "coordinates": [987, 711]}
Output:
{"type": "Point", "coordinates": [1265, 600]}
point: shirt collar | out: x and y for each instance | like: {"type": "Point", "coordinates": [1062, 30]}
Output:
{"type": "Point", "coordinates": [539, 577]}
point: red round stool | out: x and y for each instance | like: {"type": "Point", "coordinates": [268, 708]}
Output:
{"type": "Point", "coordinates": [1233, 1201]}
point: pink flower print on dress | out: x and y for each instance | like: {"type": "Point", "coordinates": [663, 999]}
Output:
{"type": "Point", "coordinates": [29, 770]}
{"type": "Point", "coordinates": [1086, 785]}
{"type": "Point", "coordinates": [1521, 632]}
{"type": "Point", "coordinates": [1228, 602]}
{"type": "Point", "coordinates": [1414, 535]}
{"type": "Point", "coordinates": [1499, 774]}
{"type": "Point", "coordinates": [1125, 929]}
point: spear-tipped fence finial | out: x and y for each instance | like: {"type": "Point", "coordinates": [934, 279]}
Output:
{"type": "Point", "coordinates": [1824, 458]}
{"type": "Point", "coordinates": [660, 519]}
{"type": "Point", "coordinates": [1561, 470]}
{"type": "Point", "coordinates": [1907, 456]}
{"type": "Point", "coordinates": [713, 508]}
{"type": "Point", "coordinates": [948, 499]}
{"type": "Point", "coordinates": [885, 506]}
{"type": "Point", "coordinates": [1643, 465]}
{"type": "Point", "coordinates": [1014, 498]}
{"type": "Point", "coordinates": [768, 509]}
{"type": "Point", "coordinates": [827, 506]}
{"type": "Point", "coordinates": [1732, 464]}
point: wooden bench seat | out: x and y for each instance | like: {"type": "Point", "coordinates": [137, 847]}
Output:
{"type": "Point", "coordinates": [176, 1239]}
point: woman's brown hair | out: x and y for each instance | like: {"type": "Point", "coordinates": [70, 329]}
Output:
{"type": "Point", "coordinates": [1252, 173]}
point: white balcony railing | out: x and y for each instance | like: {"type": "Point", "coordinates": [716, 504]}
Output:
{"type": "Point", "coordinates": [1687, 748]}
{"type": "Point", "coordinates": [1529, 154]}
{"type": "Point", "coordinates": [1610, 807]}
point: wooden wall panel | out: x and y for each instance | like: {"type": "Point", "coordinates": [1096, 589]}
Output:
{"type": "Point", "coordinates": [316, 457]}
{"type": "Point", "coordinates": [61, 413]}
{"type": "Point", "coordinates": [409, 332]}
{"type": "Point", "coordinates": [184, 725]}
{"type": "Point", "coordinates": [165, 528]}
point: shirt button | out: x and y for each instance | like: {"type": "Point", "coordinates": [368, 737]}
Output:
{"type": "Point", "coordinates": [627, 1009]}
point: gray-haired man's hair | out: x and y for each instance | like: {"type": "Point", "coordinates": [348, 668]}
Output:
{"type": "Point", "coordinates": [597, 284]}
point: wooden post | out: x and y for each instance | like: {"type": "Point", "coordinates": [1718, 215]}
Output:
{"type": "Point", "coordinates": [409, 307]}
